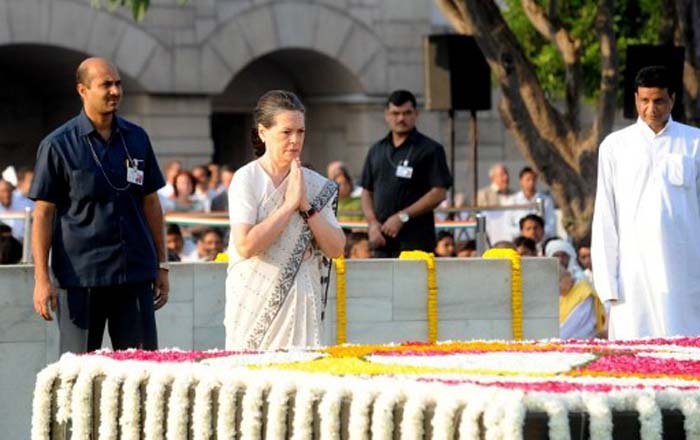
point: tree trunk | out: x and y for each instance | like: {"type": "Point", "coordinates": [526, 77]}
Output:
{"type": "Point", "coordinates": [688, 35]}
{"type": "Point", "coordinates": [555, 144]}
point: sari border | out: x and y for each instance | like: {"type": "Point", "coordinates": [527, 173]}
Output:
{"type": "Point", "coordinates": [287, 274]}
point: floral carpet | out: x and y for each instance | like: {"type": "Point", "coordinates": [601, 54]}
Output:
{"type": "Point", "coordinates": [472, 389]}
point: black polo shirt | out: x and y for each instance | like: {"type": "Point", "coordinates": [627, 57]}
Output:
{"type": "Point", "coordinates": [392, 194]}
{"type": "Point", "coordinates": [100, 233]}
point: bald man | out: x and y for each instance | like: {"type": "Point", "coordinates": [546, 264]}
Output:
{"type": "Point", "coordinates": [97, 214]}
{"type": "Point", "coordinates": [498, 225]}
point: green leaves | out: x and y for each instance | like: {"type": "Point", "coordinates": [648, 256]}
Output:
{"type": "Point", "coordinates": [138, 7]}
{"type": "Point", "coordinates": [636, 22]}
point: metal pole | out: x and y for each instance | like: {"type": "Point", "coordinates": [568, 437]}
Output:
{"type": "Point", "coordinates": [27, 240]}
{"type": "Point", "coordinates": [480, 234]}
{"type": "Point", "coordinates": [165, 240]}
{"type": "Point", "coordinates": [451, 114]}
{"type": "Point", "coordinates": [475, 156]}
{"type": "Point", "coordinates": [540, 207]}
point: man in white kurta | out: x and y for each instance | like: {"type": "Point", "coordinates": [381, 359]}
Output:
{"type": "Point", "coordinates": [528, 194]}
{"type": "Point", "coordinates": [646, 226]}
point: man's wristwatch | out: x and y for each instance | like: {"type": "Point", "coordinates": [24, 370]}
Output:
{"type": "Point", "coordinates": [404, 217]}
{"type": "Point", "coordinates": [308, 213]}
{"type": "Point", "coordinates": [164, 265]}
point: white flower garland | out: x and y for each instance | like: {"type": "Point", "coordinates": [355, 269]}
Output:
{"type": "Point", "coordinates": [81, 402]}
{"type": "Point", "coordinates": [329, 408]}
{"type": "Point", "coordinates": [600, 414]}
{"type": "Point", "coordinates": [649, 417]}
{"type": "Point", "coordinates": [362, 399]}
{"type": "Point", "coordinates": [556, 410]}
{"type": "Point", "coordinates": [252, 403]}
{"type": "Point", "coordinates": [514, 415]}
{"type": "Point", "coordinates": [304, 400]}
{"type": "Point", "coordinates": [469, 422]}
{"type": "Point", "coordinates": [178, 406]}
{"type": "Point", "coordinates": [413, 415]}
{"type": "Point", "coordinates": [493, 415]}
{"type": "Point", "coordinates": [382, 423]}
{"type": "Point", "coordinates": [69, 372]}
{"type": "Point", "coordinates": [202, 411]}
{"type": "Point", "coordinates": [446, 409]}
{"type": "Point", "coordinates": [277, 409]}
{"type": "Point", "coordinates": [158, 382]}
{"type": "Point", "coordinates": [226, 421]}
{"type": "Point", "coordinates": [109, 405]}
{"type": "Point", "coordinates": [41, 405]}
{"type": "Point", "coordinates": [130, 421]}
{"type": "Point", "coordinates": [691, 412]}
{"type": "Point", "coordinates": [501, 410]}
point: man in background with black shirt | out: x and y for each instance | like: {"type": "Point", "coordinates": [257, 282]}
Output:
{"type": "Point", "coordinates": [404, 178]}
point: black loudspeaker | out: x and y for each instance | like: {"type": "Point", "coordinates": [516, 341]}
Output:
{"type": "Point", "coordinates": [457, 76]}
{"type": "Point", "coordinates": [643, 55]}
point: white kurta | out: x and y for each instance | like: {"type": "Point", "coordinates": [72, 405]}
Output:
{"type": "Point", "coordinates": [646, 231]}
{"type": "Point", "coordinates": [498, 223]}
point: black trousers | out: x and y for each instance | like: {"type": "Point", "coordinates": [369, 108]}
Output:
{"type": "Point", "coordinates": [126, 309]}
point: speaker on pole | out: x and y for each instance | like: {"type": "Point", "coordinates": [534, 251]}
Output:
{"type": "Point", "coordinates": [643, 55]}
{"type": "Point", "coordinates": [457, 76]}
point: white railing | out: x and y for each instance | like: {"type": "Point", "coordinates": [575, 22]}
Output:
{"type": "Point", "coordinates": [476, 222]}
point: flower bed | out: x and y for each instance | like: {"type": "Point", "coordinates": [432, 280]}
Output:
{"type": "Point", "coordinates": [464, 387]}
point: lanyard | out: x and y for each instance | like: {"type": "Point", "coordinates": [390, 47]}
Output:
{"type": "Point", "coordinates": [403, 162]}
{"type": "Point", "coordinates": [99, 164]}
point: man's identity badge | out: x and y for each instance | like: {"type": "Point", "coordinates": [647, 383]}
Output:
{"type": "Point", "coordinates": [133, 173]}
{"type": "Point", "coordinates": [404, 171]}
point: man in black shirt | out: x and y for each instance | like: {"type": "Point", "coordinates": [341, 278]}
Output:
{"type": "Point", "coordinates": [404, 178]}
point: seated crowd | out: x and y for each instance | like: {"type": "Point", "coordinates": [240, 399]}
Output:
{"type": "Point", "coordinates": [204, 189]}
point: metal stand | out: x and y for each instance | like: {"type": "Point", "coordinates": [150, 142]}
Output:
{"type": "Point", "coordinates": [475, 156]}
{"type": "Point", "coordinates": [451, 114]}
{"type": "Point", "coordinates": [27, 240]}
{"type": "Point", "coordinates": [480, 236]}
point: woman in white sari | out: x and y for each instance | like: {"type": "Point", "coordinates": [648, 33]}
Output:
{"type": "Point", "coordinates": [282, 222]}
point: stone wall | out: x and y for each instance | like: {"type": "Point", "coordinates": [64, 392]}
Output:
{"type": "Point", "coordinates": [184, 62]}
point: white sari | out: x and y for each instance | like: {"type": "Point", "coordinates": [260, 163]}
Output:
{"type": "Point", "coordinates": [275, 299]}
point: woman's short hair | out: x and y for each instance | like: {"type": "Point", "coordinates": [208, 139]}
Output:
{"type": "Point", "coordinates": [268, 106]}
{"type": "Point", "coordinates": [345, 172]}
{"type": "Point", "coordinates": [189, 175]}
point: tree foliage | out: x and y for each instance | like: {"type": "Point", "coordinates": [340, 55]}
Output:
{"type": "Point", "coordinates": [634, 22]}
{"type": "Point", "coordinates": [550, 55]}
{"type": "Point", "coordinates": [138, 8]}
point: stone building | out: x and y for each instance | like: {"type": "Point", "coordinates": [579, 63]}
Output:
{"type": "Point", "coordinates": [192, 73]}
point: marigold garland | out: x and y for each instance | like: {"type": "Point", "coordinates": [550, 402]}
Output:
{"type": "Point", "coordinates": [432, 299]}
{"type": "Point", "coordinates": [340, 301]}
{"type": "Point", "coordinates": [516, 287]}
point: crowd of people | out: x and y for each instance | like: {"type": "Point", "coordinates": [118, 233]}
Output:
{"type": "Point", "coordinates": [100, 199]}
{"type": "Point", "coordinates": [404, 179]}
{"type": "Point", "coordinates": [14, 189]}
